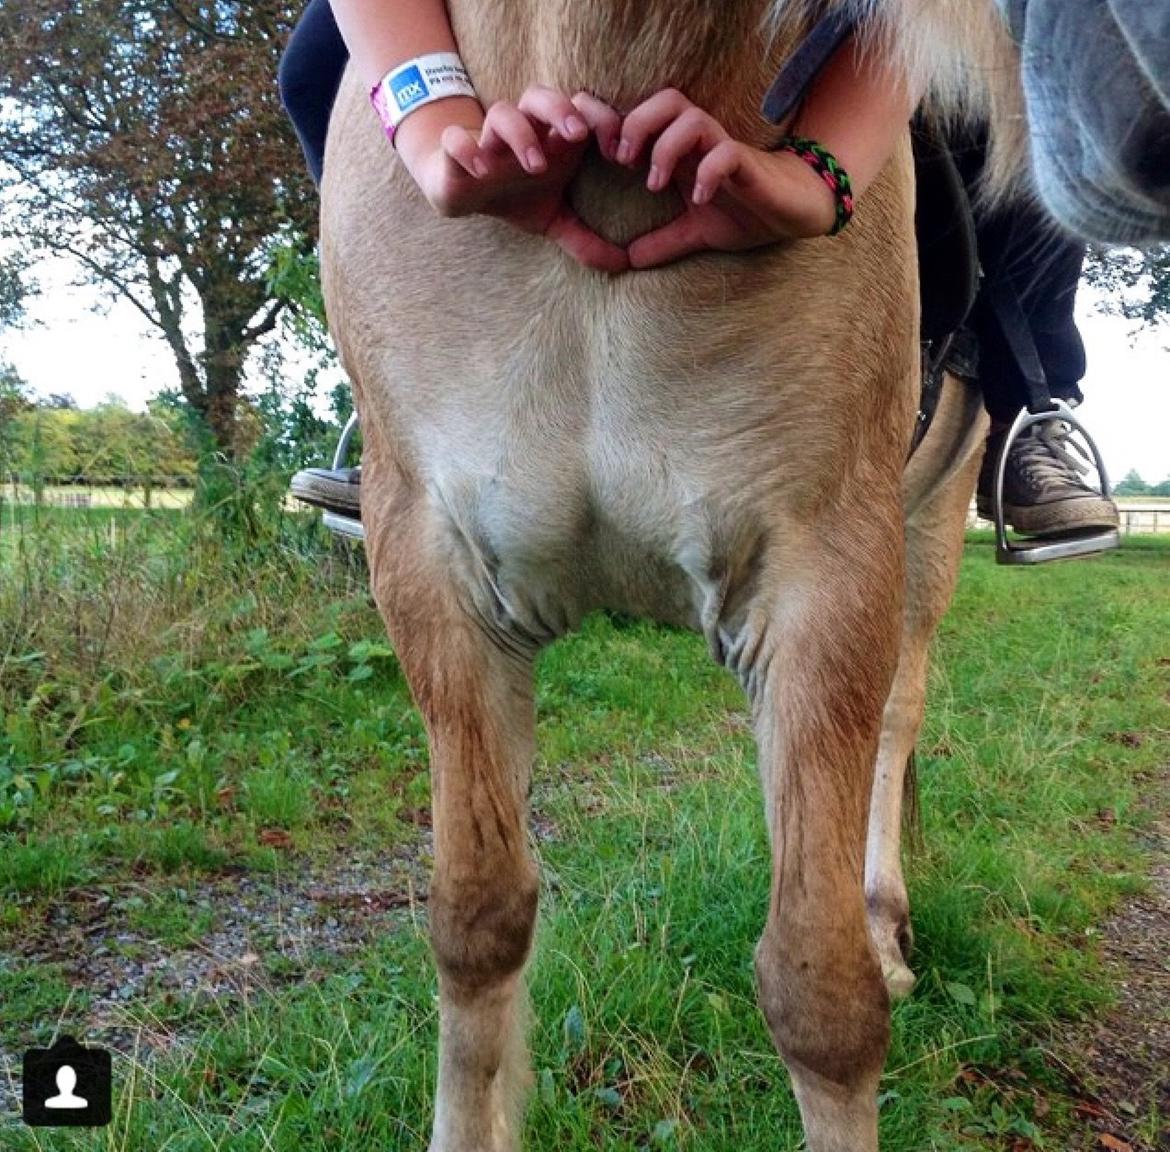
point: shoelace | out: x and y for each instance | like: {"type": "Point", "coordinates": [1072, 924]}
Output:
{"type": "Point", "coordinates": [1044, 453]}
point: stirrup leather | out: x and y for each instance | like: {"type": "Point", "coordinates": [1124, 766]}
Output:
{"type": "Point", "coordinates": [1088, 542]}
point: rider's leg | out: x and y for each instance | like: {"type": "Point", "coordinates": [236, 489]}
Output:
{"type": "Point", "coordinates": [310, 72]}
{"type": "Point", "coordinates": [1021, 249]}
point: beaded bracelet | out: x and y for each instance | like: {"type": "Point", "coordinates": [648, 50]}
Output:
{"type": "Point", "coordinates": [824, 163]}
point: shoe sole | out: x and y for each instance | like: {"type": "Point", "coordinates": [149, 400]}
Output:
{"type": "Point", "coordinates": [1079, 514]}
{"type": "Point", "coordinates": [332, 495]}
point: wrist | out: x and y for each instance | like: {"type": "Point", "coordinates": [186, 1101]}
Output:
{"type": "Point", "coordinates": [419, 134]}
{"type": "Point", "coordinates": [417, 83]}
{"type": "Point", "coordinates": [830, 202]}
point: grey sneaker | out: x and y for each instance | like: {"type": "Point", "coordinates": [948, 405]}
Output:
{"type": "Point", "coordinates": [336, 490]}
{"type": "Point", "coordinates": [1043, 493]}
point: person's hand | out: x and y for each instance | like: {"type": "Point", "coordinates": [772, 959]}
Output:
{"type": "Point", "coordinates": [515, 166]}
{"type": "Point", "coordinates": [735, 196]}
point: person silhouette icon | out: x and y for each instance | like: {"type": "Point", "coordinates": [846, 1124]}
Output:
{"type": "Point", "coordinates": [66, 1082]}
{"type": "Point", "coordinates": [84, 1079]}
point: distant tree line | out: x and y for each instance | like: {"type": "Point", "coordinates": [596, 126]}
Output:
{"type": "Point", "coordinates": [1131, 484]}
{"type": "Point", "coordinates": [55, 442]}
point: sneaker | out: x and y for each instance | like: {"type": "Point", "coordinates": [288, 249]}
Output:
{"type": "Point", "coordinates": [337, 490]}
{"type": "Point", "coordinates": [1043, 493]}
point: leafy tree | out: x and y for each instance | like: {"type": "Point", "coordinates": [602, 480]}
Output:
{"type": "Point", "coordinates": [14, 400]}
{"type": "Point", "coordinates": [14, 291]}
{"type": "Point", "coordinates": [1131, 484]}
{"type": "Point", "coordinates": [1134, 284]}
{"type": "Point", "coordinates": [14, 392]}
{"type": "Point", "coordinates": [146, 141]}
{"type": "Point", "coordinates": [110, 444]}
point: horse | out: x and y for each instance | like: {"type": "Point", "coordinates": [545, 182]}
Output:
{"type": "Point", "coordinates": [721, 444]}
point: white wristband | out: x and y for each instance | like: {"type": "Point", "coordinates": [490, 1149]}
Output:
{"type": "Point", "coordinates": [417, 82]}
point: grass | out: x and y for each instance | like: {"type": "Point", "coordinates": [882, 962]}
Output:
{"type": "Point", "coordinates": [209, 757]}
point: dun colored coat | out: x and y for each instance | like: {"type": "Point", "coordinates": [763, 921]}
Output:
{"type": "Point", "coordinates": [720, 443]}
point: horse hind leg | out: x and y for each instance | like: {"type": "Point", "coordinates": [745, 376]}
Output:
{"type": "Point", "coordinates": [886, 900]}
{"type": "Point", "coordinates": [475, 692]}
{"type": "Point", "coordinates": [939, 484]}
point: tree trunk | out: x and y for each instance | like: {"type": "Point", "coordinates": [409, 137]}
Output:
{"type": "Point", "coordinates": [223, 365]}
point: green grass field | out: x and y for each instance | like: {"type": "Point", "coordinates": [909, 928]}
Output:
{"type": "Point", "coordinates": [213, 852]}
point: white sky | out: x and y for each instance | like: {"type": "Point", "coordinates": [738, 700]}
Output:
{"type": "Point", "coordinates": [89, 355]}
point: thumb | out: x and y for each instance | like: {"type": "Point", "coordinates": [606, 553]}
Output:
{"type": "Point", "coordinates": [664, 245]}
{"type": "Point", "coordinates": [570, 233]}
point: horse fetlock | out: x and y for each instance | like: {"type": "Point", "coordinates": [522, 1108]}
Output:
{"type": "Point", "coordinates": [887, 908]}
{"type": "Point", "coordinates": [484, 1075]}
{"type": "Point", "coordinates": [481, 932]}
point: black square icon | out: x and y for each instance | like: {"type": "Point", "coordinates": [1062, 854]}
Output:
{"type": "Point", "coordinates": [67, 1086]}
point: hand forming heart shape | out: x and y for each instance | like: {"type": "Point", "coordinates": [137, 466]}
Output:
{"type": "Point", "coordinates": [520, 164]}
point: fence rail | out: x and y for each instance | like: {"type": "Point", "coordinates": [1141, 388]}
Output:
{"type": "Point", "coordinates": [1147, 516]}
{"type": "Point", "coordinates": [96, 496]}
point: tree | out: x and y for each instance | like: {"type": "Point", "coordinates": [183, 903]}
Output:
{"type": "Point", "coordinates": [1131, 484]}
{"type": "Point", "coordinates": [14, 402]}
{"type": "Point", "coordinates": [1134, 284]}
{"type": "Point", "coordinates": [47, 444]}
{"type": "Point", "coordinates": [146, 141]}
{"type": "Point", "coordinates": [14, 291]}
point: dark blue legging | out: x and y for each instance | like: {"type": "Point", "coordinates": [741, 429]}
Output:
{"type": "Point", "coordinates": [1020, 246]}
{"type": "Point", "coordinates": [310, 72]}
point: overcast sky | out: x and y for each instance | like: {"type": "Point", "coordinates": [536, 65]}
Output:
{"type": "Point", "coordinates": [89, 355]}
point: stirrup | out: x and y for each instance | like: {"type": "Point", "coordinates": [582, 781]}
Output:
{"type": "Point", "coordinates": [1088, 542]}
{"type": "Point", "coordinates": [349, 526]}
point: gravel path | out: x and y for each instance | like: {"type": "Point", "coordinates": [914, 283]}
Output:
{"type": "Point", "coordinates": [1127, 1086]}
{"type": "Point", "coordinates": [267, 929]}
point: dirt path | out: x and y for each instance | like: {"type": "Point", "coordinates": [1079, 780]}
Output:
{"type": "Point", "coordinates": [1126, 1055]}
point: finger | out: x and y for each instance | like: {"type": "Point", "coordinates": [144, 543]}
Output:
{"type": "Point", "coordinates": [463, 147]}
{"type": "Point", "coordinates": [604, 122]}
{"type": "Point", "coordinates": [718, 168]}
{"type": "Point", "coordinates": [647, 120]}
{"type": "Point", "coordinates": [671, 242]}
{"type": "Point", "coordinates": [693, 131]}
{"type": "Point", "coordinates": [569, 232]}
{"type": "Point", "coordinates": [507, 129]}
{"type": "Point", "coordinates": [548, 106]}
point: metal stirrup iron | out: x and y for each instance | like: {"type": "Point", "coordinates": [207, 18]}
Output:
{"type": "Point", "coordinates": [344, 525]}
{"type": "Point", "coordinates": [1086, 543]}
{"type": "Point", "coordinates": [1041, 409]}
